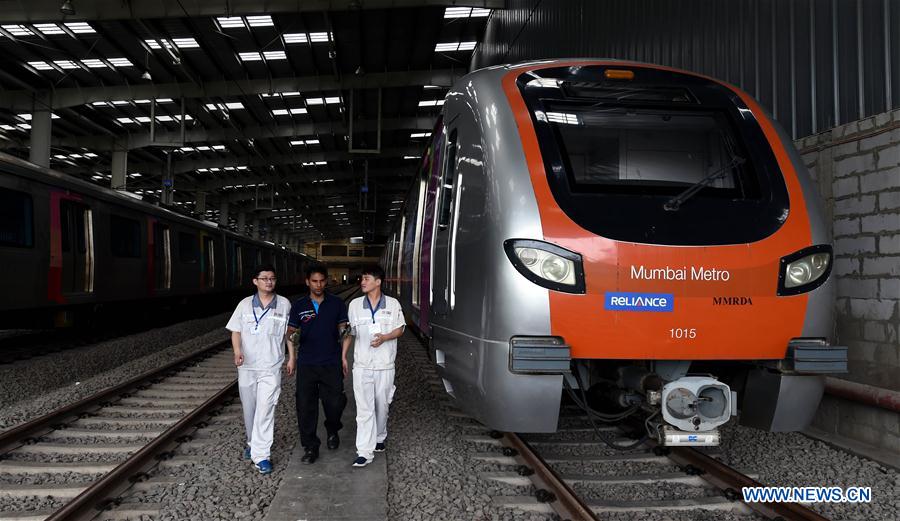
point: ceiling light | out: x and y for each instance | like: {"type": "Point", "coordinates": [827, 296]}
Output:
{"type": "Point", "coordinates": [67, 8]}
{"type": "Point", "coordinates": [146, 76]}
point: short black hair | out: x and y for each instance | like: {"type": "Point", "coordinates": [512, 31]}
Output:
{"type": "Point", "coordinates": [261, 268]}
{"type": "Point", "coordinates": [374, 270]}
{"type": "Point", "coordinates": [316, 267]}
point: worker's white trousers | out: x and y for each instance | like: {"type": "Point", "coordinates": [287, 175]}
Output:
{"type": "Point", "coordinates": [259, 390]}
{"type": "Point", "coordinates": [373, 390]}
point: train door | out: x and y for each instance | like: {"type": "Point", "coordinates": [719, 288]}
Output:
{"type": "Point", "coordinates": [162, 256]}
{"type": "Point", "coordinates": [443, 260]}
{"type": "Point", "coordinates": [424, 234]}
{"type": "Point", "coordinates": [209, 262]}
{"type": "Point", "coordinates": [77, 247]}
{"type": "Point", "coordinates": [238, 268]}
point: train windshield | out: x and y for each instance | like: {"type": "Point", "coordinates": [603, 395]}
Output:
{"type": "Point", "coordinates": [658, 151]}
{"type": "Point", "coordinates": [673, 159]}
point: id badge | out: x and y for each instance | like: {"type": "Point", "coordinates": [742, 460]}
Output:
{"type": "Point", "coordinates": [374, 329]}
{"type": "Point", "coordinates": [255, 331]}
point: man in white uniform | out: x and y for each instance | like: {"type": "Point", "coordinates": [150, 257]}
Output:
{"type": "Point", "coordinates": [376, 322]}
{"type": "Point", "coordinates": [258, 329]}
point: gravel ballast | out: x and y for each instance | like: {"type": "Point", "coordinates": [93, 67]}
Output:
{"type": "Point", "coordinates": [70, 368]}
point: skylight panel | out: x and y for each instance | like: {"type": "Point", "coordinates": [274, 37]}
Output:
{"type": "Point", "coordinates": [285, 112]}
{"type": "Point", "coordinates": [204, 148]}
{"type": "Point", "coordinates": [66, 64]}
{"type": "Point", "coordinates": [158, 44]}
{"type": "Point", "coordinates": [234, 105]}
{"type": "Point", "coordinates": [260, 21]}
{"type": "Point", "coordinates": [431, 103]}
{"type": "Point", "coordinates": [93, 63]}
{"type": "Point", "coordinates": [296, 38]}
{"type": "Point", "coordinates": [80, 27]}
{"type": "Point", "coordinates": [320, 37]}
{"type": "Point", "coordinates": [143, 119]}
{"type": "Point", "coordinates": [299, 142]}
{"type": "Point", "coordinates": [479, 12]}
{"type": "Point", "coordinates": [126, 120]}
{"type": "Point", "coordinates": [17, 30]}
{"type": "Point", "coordinates": [250, 56]}
{"type": "Point", "coordinates": [319, 101]}
{"type": "Point", "coordinates": [218, 147]}
{"type": "Point", "coordinates": [419, 134]}
{"type": "Point", "coordinates": [275, 55]}
{"type": "Point", "coordinates": [454, 46]}
{"type": "Point", "coordinates": [121, 62]}
{"type": "Point", "coordinates": [226, 22]}
{"type": "Point", "coordinates": [185, 43]}
{"type": "Point", "coordinates": [41, 66]}
{"type": "Point", "coordinates": [457, 12]}
{"type": "Point", "coordinates": [7, 127]}
{"type": "Point", "coordinates": [49, 29]}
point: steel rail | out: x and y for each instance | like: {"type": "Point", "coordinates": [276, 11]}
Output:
{"type": "Point", "coordinates": [731, 482]}
{"type": "Point", "coordinates": [84, 506]}
{"type": "Point", "coordinates": [12, 438]}
{"type": "Point", "coordinates": [563, 500]}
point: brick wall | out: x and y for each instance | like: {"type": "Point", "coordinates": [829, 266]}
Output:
{"type": "Point", "coordinates": [857, 166]}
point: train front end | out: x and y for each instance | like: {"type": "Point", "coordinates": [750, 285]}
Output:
{"type": "Point", "coordinates": [684, 251]}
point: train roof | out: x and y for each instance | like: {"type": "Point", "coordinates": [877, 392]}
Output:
{"type": "Point", "coordinates": [19, 167]}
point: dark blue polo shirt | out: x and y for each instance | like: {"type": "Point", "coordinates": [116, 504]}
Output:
{"type": "Point", "coordinates": [319, 342]}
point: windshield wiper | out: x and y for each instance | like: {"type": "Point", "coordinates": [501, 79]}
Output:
{"type": "Point", "coordinates": [673, 204]}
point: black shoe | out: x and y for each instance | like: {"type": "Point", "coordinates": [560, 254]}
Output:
{"type": "Point", "coordinates": [333, 442]}
{"type": "Point", "coordinates": [310, 456]}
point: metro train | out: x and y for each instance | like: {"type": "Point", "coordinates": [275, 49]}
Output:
{"type": "Point", "coordinates": [631, 235]}
{"type": "Point", "coordinates": [71, 249]}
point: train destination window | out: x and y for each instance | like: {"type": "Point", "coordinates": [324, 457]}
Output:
{"type": "Point", "coordinates": [188, 248]}
{"type": "Point", "coordinates": [124, 237]}
{"type": "Point", "coordinates": [16, 219]}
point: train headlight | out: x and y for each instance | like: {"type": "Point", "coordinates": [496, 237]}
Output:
{"type": "Point", "coordinates": [547, 264]}
{"type": "Point", "coordinates": [557, 269]}
{"type": "Point", "coordinates": [804, 270]}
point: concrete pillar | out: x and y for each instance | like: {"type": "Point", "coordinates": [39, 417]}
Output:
{"type": "Point", "coordinates": [256, 223]}
{"type": "Point", "coordinates": [200, 203]}
{"type": "Point", "coordinates": [40, 136]}
{"type": "Point", "coordinates": [223, 212]}
{"type": "Point", "coordinates": [119, 169]}
{"type": "Point", "coordinates": [242, 223]}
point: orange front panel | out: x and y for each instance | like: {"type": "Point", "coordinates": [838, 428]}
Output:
{"type": "Point", "coordinates": [753, 324]}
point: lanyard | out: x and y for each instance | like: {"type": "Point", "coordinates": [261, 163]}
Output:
{"type": "Point", "coordinates": [260, 317]}
{"type": "Point", "coordinates": [375, 309]}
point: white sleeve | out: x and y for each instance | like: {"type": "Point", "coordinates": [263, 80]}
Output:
{"type": "Point", "coordinates": [399, 319]}
{"type": "Point", "coordinates": [234, 323]}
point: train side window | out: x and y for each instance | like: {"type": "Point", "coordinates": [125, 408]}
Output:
{"type": "Point", "coordinates": [188, 248]}
{"type": "Point", "coordinates": [16, 219]}
{"type": "Point", "coordinates": [124, 237]}
{"type": "Point", "coordinates": [447, 180]}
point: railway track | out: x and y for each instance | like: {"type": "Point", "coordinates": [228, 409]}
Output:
{"type": "Point", "coordinates": [74, 463]}
{"type": "Point", "coordinates": [574, 476]}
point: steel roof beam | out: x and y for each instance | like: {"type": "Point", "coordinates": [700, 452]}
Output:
{"type": "Point", "coordinates": [48, 10]}
{"type": "Point", "coordinates": [73, 97]}
{"type": "Point", "coordinates": [182, 166]}
{"type": "Point", "coordinates": [173, 138]}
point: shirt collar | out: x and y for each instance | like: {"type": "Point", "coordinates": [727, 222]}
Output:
{"type": "Point", "coordinates": [380, 305]}
{"type": "Point", "coordinates": [258, 304]}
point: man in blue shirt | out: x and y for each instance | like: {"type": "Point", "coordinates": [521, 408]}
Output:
{"type": "Point", "coordinates": [320, 317]}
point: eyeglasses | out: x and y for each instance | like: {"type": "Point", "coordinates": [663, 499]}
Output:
{"type": "Point", "coordinates": [273, 279]}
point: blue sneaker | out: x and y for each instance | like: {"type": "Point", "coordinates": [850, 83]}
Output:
{"type": "Point", "coordinates": [361, 462]}
{"type": "Point", "coordinates": [380, 447]}
{"type": "Point", "coordinates": [264, 467]}
{"type": "Point", "coordinates": [247, 453]}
